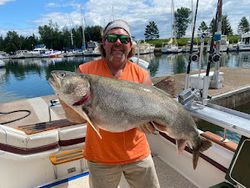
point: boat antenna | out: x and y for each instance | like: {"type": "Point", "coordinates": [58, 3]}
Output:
{"type": "Point", "coordinates": [191, 47]}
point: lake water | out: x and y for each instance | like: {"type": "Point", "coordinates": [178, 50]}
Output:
{"type": "Point", "coordinates": [28, 78]}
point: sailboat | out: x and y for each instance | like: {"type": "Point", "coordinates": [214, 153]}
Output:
{"type": "Point", "coordinates": [171, 46]}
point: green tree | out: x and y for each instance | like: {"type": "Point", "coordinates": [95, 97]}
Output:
{"type": "Point", "coordinates": [50, 36]}
{"type": "Point", "coordinates": [66, 38]}
{"type": "Point", "coordinates": [225, 26]}
{"type": "Point", "coordinates": [212, 28]}
{"type": "Point", "coordinates": [243, 26]}
{"type": "Point", "coordinates": [182, 19]}
{"type": "Point", "coordinates": [203, 27]}
{"type": "Point", "coordinates": [151, 31]}
{"type": "Point", "coordinates": [30, 42]}
{"type": "Point", "coordinates": [93, 33]}
{"type": "Point", "coordinates": [1, 43]}
{"type": "Point", "coordinates": [12, 42]}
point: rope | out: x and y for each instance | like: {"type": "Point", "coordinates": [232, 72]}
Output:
{"type": "Point", "coordinates": [15, 111]}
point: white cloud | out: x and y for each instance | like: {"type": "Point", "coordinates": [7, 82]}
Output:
{"type": "Point", "coordinates": [137, 12]}
{"type": "Point", "coordinates": [2, 2]}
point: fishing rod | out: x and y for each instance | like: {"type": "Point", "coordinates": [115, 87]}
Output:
{"type": "Point", "coordinates": [191, 48]}
{"type": "Point", "coordinates": [213, 53]}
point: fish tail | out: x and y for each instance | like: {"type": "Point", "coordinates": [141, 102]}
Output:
{"type": "Point", "coordinates": [203, 146]}
{"type": "Point", "coordinates": [196, 155]}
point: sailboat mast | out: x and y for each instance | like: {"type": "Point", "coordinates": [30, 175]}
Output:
{"type": "Point", "coordinates": [83, 36]}
{"type": "Point", "coordinates": [71, 38]}
{"type": "Point", "coordinates": [71, 28]}
{"type": "Point", "coordinates": [173, 22]}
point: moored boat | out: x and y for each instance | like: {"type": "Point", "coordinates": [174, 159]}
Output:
{"type": "Point", "coordinates": [142, 48]}
{"type": "Point", "coordinates": [92, 49]}
{"type": "Point", "coordinates": [2, 64]}
{"type": "Point", "coordinates": [4, 55]}
{"type": "Point", "coordinates": [244, 44]}
{"type": "Point", "coordinates": [171, 46]}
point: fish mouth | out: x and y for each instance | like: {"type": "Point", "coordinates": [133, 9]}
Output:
{"type": "Point", "coordinates": [54, 82]}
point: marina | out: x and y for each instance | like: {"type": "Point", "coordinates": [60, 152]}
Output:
{"type": "Point", "coordinates": [45, 136]}
{"type": "Point", "coordinates": [27, 78]}
{"type": "Point", "coordinates": [202, 120]}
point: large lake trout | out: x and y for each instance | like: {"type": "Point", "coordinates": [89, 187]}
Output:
{"type": "Point", "coordinates": [117, 106]}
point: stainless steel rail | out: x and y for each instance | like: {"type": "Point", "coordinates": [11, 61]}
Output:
{"type": "Point", "coordinates": [224, 117]}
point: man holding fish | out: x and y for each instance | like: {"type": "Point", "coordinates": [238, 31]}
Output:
{"type": "Point", "coordinates": [119, 103]}
{"type": "Point", "coordinates": [125, 152]}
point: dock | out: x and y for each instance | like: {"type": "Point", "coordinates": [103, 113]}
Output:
{"type": "Point", "coordinates": [235, 89]}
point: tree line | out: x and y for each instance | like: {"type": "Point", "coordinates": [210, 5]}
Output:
{"type": "Point", "coordinates": [52, 37]}
{"type": "Point", "coordinates": [183, 19]}
{"type": "Point", "coordinates": [68, 38]}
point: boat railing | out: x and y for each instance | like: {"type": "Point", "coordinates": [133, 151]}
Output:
{"type": "Point", "coordinates": [226, 118]}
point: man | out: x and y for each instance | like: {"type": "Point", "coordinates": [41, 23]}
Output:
{"type": "Point", "coordinates": [126, 152]}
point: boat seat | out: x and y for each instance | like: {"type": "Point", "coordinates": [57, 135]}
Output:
{"type": "Point", "coordinates": [18, 142]}
{"type": "Point", "coordinates": [72, 136]}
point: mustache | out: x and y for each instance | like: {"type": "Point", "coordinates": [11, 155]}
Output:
{"type": "Point", "coordinates": [122, 59]}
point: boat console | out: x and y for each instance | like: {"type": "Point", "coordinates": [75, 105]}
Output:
{"type": "Point", "coordinates": [239, 169]}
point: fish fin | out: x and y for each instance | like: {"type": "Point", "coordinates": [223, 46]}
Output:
{"type": "Point", "coordinates": [181, 144]}
{"type": "Point", "coordinates": [159, 127]}
{"type": "Point", "coordinates": [196, 155]}
{"type": "Point", "coordinates": [71, 114]}
{"type": "Point", "coordinates": [96, 128]}
{"type": "Point", "coordinates": [204, 145]}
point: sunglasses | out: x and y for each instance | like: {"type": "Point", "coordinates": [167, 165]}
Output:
{"type": "Point", "coordinates": [113, 38]}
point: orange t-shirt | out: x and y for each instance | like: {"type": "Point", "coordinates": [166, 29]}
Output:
{"type": "Point", "coordinates": [122, 147]}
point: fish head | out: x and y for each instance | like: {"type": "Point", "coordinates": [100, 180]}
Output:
{"type": "Point", "coordinates": [73, 91]}
{"type": "Point", "coordinates": [70, 87]}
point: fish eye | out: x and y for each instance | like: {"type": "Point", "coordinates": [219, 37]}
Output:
{"type": "Point", "coordinates": [62, 74]}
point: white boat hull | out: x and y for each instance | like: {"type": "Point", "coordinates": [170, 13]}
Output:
{"type": "Point", "coordinates": [22, 161]}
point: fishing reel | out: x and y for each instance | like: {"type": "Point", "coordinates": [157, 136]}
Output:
{"type": "Point", "coordinates": [195, 57]}
{"type": "Point", "coordinates": [215, 58]}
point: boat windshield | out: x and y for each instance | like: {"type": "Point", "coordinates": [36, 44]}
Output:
{"type": "Point", "coordinates": [239, 169]}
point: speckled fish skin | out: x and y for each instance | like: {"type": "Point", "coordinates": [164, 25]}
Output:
{"type": "Point", "coordinates": [117, 106]}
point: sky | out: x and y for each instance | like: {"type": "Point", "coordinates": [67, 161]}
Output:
{"type": "Point", "coordinates": [25, 16]}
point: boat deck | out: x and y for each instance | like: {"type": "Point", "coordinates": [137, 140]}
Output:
{"type": "Point", "coordinates": [36, 110]}
{"type": "Point", "coordinates": [168, 177]}
{"type": "Point", "coordinates": [39, 112]}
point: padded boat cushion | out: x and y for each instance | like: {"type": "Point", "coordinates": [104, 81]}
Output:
{"type": "Point", "coordinates": [71, 135]}
{"type": "Point", "coordinates": [16, 141]}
